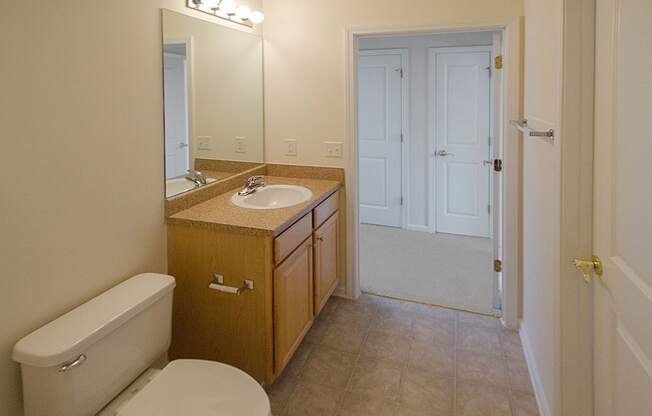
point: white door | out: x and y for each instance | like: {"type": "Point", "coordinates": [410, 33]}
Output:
{"type": "Point", "coordinates": [176, 115]}
{"type": "Point", "coordinates": [380, 117]}
{"type": "Point", "coordinates": [622, 216]}
{"type": "Point", "coordinates": [461, 128]}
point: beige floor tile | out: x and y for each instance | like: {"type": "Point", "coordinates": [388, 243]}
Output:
{"type": "Point", "coordinates": [519, 376]}
{"type": "Point", "coordinates": [479, 399]}
{"type": "Point", "coordinates": [524, 404]}
{"type": "Point", "coordinates": [441, 333]}
{"type": "Point", "coordinates": [344, 337]}
{"type": "Point", "coordinates": [376, 378]}
{"type": "Point", "coordinates": [425, 391]}
{"type": "Point", "coordinates": [328, 366]}
{"type": "Point", "coordinates": [356, 404]}
{"type": "Point", "coordinates": [393, 347]}
{"type": "Point", "coordinates": [433, 358]}
{"type": "Point", "coordinates": [474, 366]}
{"type": "Point", "coordinates": [311, 399]}
{"type": "Point", "coordinates": [294, 367]}
{"type": "Point", "coordinates": [316, 332]}
{"type": "Point", "coordinates": [393, 322]}
{"type": "Point", "coordinates": [279, 392]}
{"type": "Point", "coordinates": [485, 321]}
{"type": "Point", "coordinates": [478, 338]}
{"type": "Point", "coordinates": [345, 314]}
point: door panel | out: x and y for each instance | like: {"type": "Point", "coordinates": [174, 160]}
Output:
{"type": "Point", "coordinates": [379, 133]}
{"type": "Point", "coordinates": [622, 223]}
{"type": "Point", "coordinates": [176, 115]}
{"type": "Point", "coordinates": [462, 129]}
{"type": "Point", "coordinates": [325, 261]}
{"type": "Point", "coordinates": [293, 310]}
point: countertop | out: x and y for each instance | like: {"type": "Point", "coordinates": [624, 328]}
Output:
{"type": "Point", "coordinates": [220, 213]}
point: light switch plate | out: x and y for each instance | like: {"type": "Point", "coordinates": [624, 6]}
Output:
{"type": "Point", "coordinates": [204, 143]}
{"type": "Point", "coordinates": [240, 144]}
{"type": "Point", "coordinates": [290, 147]}
{"type": "Point", "coordinates": [334, 149]}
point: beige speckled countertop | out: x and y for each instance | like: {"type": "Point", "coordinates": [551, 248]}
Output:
{"type": "Point", "coordinates": [221, 214]}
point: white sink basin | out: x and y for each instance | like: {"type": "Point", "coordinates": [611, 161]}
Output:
{"type": "Point", "coordinates": [273, 196]}
{"type": "Point", "coordinates": [180, 185]}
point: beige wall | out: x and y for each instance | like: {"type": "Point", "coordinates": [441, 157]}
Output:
{"type": "Point", "coordinates": [305, 88]}
{"type": "Point", "coordinates": [81, 205]}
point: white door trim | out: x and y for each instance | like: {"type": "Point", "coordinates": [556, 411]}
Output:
{"type": "Point", "coordinates": [512, 39]}
{"type": "Point", "coordinates": [405, 126]}
{"type": "Point", "coordinates": [432, 136]}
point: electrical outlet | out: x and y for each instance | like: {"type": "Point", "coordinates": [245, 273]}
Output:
{"type": "Point", "coordinates": [204, 143]}
{"type": "Point", "coordinates": [334, 149]}
{"type": "Point", "coordinates": [290, 147]}
{"type": "Point", "coordinates": [240, 144]}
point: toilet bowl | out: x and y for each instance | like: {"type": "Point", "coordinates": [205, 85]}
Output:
{"type": "Point", "coordinates": [98, 359]}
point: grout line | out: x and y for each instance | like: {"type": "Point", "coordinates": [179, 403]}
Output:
{"type": "Point", "coordinates": [455, 332]}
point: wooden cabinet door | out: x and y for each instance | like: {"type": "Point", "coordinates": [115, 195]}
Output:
{"type": "Point", "coordinates": [325, 261]}
{"type": "Point", "coordinates": [293, 310]}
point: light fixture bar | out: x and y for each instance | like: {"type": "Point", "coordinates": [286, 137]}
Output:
{"type": "Point", "coordinates": [212, 7]}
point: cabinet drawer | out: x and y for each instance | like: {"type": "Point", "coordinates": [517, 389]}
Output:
{"type": "Point", "coordinates": [285, 243]}
{"type": "Point", "coordinates": [326, 209]}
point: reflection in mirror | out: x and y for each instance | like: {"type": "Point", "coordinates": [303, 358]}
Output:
{"type": "Point", "coordinates": [213, 101]}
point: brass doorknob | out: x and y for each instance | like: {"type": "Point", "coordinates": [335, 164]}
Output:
{"type": "Point", "coordinates": [585, 266]}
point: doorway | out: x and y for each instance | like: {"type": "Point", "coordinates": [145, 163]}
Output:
{"type": "Point", "coordinates": [175, 78]}
{"type": "Point", "coordinates": [426, 123]}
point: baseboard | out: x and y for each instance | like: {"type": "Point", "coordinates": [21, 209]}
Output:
{"type": "Point", "coordinates": [420, 228]}
{"type": "Point", "coordinates": [542, 400]}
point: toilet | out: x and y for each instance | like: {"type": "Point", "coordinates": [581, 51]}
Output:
{"type": "Point", "coordinates": [101, 358]}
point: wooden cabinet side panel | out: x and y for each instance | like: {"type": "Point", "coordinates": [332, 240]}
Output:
{"type": "Point", "coordinates": [211, 325]}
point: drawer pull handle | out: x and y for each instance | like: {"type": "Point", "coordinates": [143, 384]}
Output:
{"type": "Point", "coordinates": [218, 284]}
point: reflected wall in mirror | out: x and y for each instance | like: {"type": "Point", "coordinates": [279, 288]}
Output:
{"type": "Point", "coordinates": [213, 101]}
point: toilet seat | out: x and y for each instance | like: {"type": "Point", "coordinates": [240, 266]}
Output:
{"type": "Point", "coordinates": [198, 388]}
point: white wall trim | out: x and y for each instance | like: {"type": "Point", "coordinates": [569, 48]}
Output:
{"type": "Point", "coordinates": [537, 384]}
{"type": "Point", "coordinates": [512, 109]}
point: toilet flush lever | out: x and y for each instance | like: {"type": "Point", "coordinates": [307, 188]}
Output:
{"type": "Point", "coordinates": [218, 284]}
{"type": "Point", "coordinates": [69, 366]}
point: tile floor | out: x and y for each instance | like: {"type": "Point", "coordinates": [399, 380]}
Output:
{"type": "Point", "coordinates": [383, 357]}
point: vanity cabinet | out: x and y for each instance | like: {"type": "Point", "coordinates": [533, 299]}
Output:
{"type": "Point", "coordinates": [293, 272]}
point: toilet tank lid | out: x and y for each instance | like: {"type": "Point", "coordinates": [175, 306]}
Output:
{"type": "Point", "coordinates": [68, 336]}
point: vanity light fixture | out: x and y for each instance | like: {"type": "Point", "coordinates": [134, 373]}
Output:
{"type": "Point", "coordinates": [229, 10]}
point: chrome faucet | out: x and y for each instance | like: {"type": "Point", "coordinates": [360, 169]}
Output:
{"type": "Point", "coordinates": [197, 177]}
{"type": "Point", "coordinates": [253, 184]}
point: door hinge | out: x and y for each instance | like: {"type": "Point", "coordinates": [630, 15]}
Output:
{"type": "Point", "coordinates": [498, 266]}
{"type": "Point", "coordinates": [498, 62]}
{"type": "Point", "coordinates": [402, 200]}
{"type": "Point", "coordinates": [402, 138]}
{"type": "Point", "coordinates": [498, 165]}
{"type": "Point", "coordinates": [400, 71]}
{"type": "Point", "coordinates": [488, 209]}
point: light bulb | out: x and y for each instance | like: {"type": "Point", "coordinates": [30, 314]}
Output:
{"type": "Point", "coordinates": [227, 7]}
{"type": "Point", "coordinates": [243, 12]}
{"type": "Point", "coordinates": [256, 17]}
{"type": "Point", "coordinates": [210, 4]}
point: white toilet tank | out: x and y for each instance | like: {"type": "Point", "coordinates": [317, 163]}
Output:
{"type": "Point", "coordinates": [76, 364]}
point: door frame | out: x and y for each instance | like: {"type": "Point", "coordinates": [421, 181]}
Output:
{"type": "Point", "coordinates": [405, 125]}
{"type": "Point", "coordinates": [512, 109]}
{"type": "Point", "coordinates": [432, 135]}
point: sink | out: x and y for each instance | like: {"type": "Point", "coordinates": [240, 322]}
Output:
{"type": "Point", "coordinates": [273, 196]}
{"type": "Point", "coordinates": [179, 185]}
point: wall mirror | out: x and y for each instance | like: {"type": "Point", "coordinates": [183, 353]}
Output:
{"type": "Point", "coordinates": [213, 101]}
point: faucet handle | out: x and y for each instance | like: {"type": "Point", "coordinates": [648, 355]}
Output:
{"type": "Point", "coordinates": [253, 179]}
